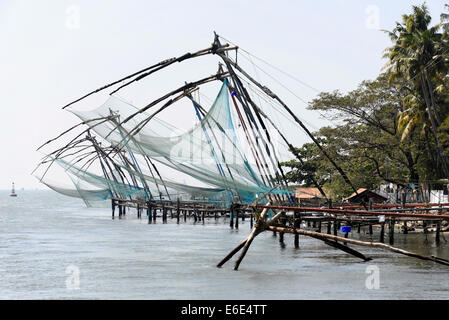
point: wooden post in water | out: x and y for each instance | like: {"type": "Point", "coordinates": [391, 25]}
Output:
{"type": "Point", "coordinates": [335, 226]}
{"type": "Point", "coordinates": [237, 211]}
{"type": "Point", "coordinates": [282, 220]}
{"type": "Point", "coordinates": [178, 211]}
{"type": "Point", "coordinates": [149, 212]}
{"type": "Point", "coordinates": [329, 226]}
{"type": "Point", "coordinates": [382, 232]}
{"type": "Point", "coordinates": [296, 225]}
{"type": "Point", "coordinates": [281, 238]}
{"type": "Point", "coordinates": [113, 208]}
{"type": "Point", "coordinates": [370, 228]}
{"type": "Point", "coordinates": [437, 234]}
{"type": "Point", "coordinates": [319, 226]}
{"type": "Point", "coordinates": [231, 216]}
{"type": "Point", "coordinates": [391, 231]}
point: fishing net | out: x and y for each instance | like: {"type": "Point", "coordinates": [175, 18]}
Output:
{"type": "Point", "coordinates": [151, 156]}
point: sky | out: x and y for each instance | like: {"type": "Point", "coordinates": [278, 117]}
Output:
{"type": "Point", "coordinates": [54, 51]}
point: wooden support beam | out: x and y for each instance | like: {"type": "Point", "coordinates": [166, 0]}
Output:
{"type": "Point", "coordinates": [391, 231]}
{"type": "Point", "coordinates": [382, 232]}
{"type": "Point", "coordinates": [437, 234]}
{"type": "Point", "coordinates": [237, 211]}
{"type": "Point", "coordinates": [178, 211]}
{"type": "Point", "coordinates": [322, 236]}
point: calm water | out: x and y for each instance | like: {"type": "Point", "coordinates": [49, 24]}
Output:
{"type": "Point", "coordinates": [43, 233]}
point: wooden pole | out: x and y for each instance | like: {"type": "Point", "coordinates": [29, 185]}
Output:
{"type": "Point", "coordinates": [297, 224]}
{"type": "Point", "coordinates": [382, 232]}
{"type": "Point", "coordinates": [391, 231]}
{"type": "Point", "coordinates": [149, 211]}
{"type": "Point", "coordinates": [237, 211]}
{"type": "Point", "coordinates": [178, 211]}
{"type": "Point", "coordinates": [322, 236]}
{"type": "Point", "coordinates": [437, 234]}
{"type": "Point", "coordinates": [113, 208]}
{"type": "Point", "coordinates": [231, 216]}
{"type": "Point", "coordinates": [347, 249]}
{"type": "Point", "coordinates": [256, 230]}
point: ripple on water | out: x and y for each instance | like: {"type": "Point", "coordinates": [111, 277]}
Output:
{"type": "Point", "coordinates": [42, 233]}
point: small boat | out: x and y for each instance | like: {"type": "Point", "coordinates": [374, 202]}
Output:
{"type": "Point", "coordinates": [13, 192]}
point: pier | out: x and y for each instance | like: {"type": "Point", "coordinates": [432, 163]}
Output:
{"type": "Point", "coordinates": [331, 225]}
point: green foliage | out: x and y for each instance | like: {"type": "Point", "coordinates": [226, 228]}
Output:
{"type": "Point", "coordinates": [384, 132]}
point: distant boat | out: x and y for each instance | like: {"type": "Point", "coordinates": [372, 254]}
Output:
{"type": "Point", "coordinates": [13, 192]}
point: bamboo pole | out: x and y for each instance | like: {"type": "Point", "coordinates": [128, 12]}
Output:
{"type": "Point", "coordinates": [360, 212]}
{"type": "Point", "coordinates": [361, 243]}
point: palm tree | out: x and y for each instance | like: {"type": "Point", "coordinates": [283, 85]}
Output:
{"type": "Point", "coordinates": [418, 56]}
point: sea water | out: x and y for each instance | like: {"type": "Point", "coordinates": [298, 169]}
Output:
{"type": "Point", "coordinates": [53, 247]}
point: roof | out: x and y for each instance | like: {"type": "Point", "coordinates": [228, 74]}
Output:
{"type": "Point", "coordinates": [362, 191]}
{"type": "Point", "coordinates": [359, 191]}
{"type": "Point", "coordinates": [308, 193]}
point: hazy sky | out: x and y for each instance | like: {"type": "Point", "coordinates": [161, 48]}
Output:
{"type": "Point", "coordinates": [53, 51]}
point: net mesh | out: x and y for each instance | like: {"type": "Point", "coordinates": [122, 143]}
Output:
{"type": "Point", "coordinates": [209, 155]}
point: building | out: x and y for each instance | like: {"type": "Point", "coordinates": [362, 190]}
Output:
{"type": "Point", "coordinates": [365, 195]}
{"type": "Point", "coordinates": [309, 196]}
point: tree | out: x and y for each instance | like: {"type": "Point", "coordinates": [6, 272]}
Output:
{"type": "Point", "coordinates": [418, 57]}
{"type": "Point", "coordinates": [394, 128]}
{"type": "Point", "coordinates": [366, 142]}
